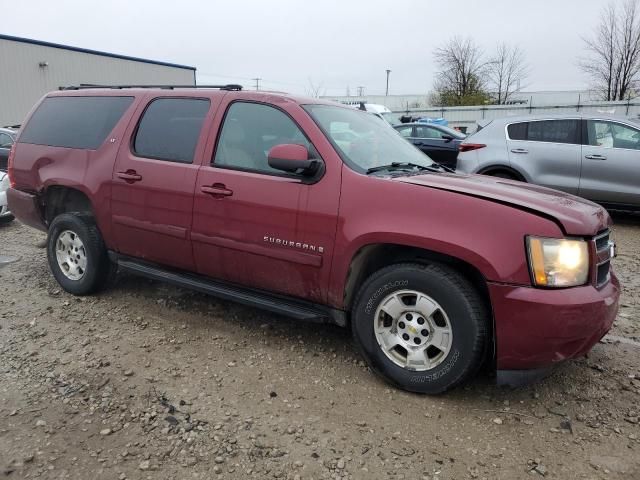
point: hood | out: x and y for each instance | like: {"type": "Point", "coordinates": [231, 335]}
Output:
{"type": "Point", "coordinates": [575, 215]}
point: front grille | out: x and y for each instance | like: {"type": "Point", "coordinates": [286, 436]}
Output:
{"type": "Point", "coordinates": [602, 240]}
{"type": "Point", "coordinates": [603, 273]}
{"type": "Point", "coordinates": [604, 251]}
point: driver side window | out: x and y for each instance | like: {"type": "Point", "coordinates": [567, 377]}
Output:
{"type": "Point", "coordinates": [249, 131]}
{"type": "Point", "coordinates": [612, 135]}
{"type": "Point", "coordinates": [5, 140]}
{"type": "Point", "coordinates": [427, 132]}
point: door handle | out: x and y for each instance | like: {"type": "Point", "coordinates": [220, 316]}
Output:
{"type": "Point", "coordinates": [129, 176]}
{"type": "Point", "coordinates": [217, 190]}
{"type": "Point", "coordinates": [595, 157]}
{"type": "Point", "coordinates": [519, 150]}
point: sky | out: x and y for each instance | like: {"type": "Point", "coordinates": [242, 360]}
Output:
{"type": "Point", "coordinates": [329, 45]}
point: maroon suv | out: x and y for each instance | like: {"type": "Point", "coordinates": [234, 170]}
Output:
{"type": "Point", "coordinates": [319, 212]}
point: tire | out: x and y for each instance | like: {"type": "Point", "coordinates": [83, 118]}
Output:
{"type": "Point", "coordinates": [455, 306]}
{"type": "Point", "coordinates": [505, 175]}
{"type": "Point", "coordinates": [6, 219]}
{"type": "Point", "coordinates": [85, 267]}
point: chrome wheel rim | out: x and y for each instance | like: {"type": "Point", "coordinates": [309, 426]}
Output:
{"type": "Point", "coordinates": [413, 330]}
{"type": "Point", "coordinates": [71, 255]}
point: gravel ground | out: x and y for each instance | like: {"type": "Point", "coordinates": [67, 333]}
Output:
{"type": "Point", "coordinates": [153, 382]}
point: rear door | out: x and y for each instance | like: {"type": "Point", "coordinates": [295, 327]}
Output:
{"type": "Point", "coordinates": [548, 151]}
{"type": "Point", "coordinates": [154, 179]}
{"type": "Point", "coordinates": [610, 163]}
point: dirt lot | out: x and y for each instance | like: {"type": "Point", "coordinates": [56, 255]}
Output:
{"type": "Point", "coordinates": [154, 382]}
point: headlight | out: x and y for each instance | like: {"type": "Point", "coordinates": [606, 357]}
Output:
{"type": "Point", "coordinates": [558, 262]}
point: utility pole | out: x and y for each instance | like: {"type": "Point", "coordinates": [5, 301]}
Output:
{"type": "Point", "coordinates": [361, 91]}
{"type": "Point", "coordinates": [387, 91]}
{"type": "Point", "coordinates": [348, 91]}
{"type": "Point", "coordinates": [257, 80]}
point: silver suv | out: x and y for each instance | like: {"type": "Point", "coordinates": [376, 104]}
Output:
{"type": "Point", "coordinates": [594, 156]}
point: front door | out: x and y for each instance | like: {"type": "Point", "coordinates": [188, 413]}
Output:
{"type": "Point", "coordinates": [611, 163]}
{"type": "Point", "coordinates": [257, 226]}
{"type": "Point", "coordinates": [154, 179]}
{"type": "Point", "coordinates": [430, 141]}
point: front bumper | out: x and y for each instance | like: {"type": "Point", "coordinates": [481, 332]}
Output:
{"type": "Point", "coordinates": [538, 328]}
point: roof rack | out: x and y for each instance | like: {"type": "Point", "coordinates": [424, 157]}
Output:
{"type": "Point", "coordinates": [83, 86]}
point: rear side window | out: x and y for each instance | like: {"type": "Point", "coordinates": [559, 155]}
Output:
{"type": "Point", "coordinates": [518, 131]}
{"type": "Point", "coordinates": [556, 131]}
{"type": "Point", "coordinates": [170, 129]}
{"type": "Point", "coordinates": [552, 131]}
{"type": "Point", "coordinates": [74, 122]}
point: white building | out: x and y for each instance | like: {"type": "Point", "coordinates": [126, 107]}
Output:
{"type": "Point", "coordinates": [31, 68]}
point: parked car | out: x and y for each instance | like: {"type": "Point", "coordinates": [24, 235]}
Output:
{"type": "Point", "coordinates": [5, 214]}
{"type": "Point", "coordinates": [593, 156]}
{"type": "Point", "coordinates": [440, 143]}
{"type": "Point", "coordinates": [7, 137]}
{"type": "Point", "coordinates": [247, 196]}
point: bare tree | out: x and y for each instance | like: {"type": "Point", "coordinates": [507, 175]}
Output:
{"type": "Point", "coordinates": [613, 61]}
{"type": "Point", "coordinates": [314, 90]}
{"type": "Point", "coordinates": [506, 70]}
{"type": "Point", "coordinates": [461, 79]}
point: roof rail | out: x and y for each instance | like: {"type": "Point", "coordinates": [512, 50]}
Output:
{"type": "Point", "coordinates": [84, 86]}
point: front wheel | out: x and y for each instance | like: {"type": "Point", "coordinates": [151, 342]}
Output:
{"type": "Point", "coordinates": [77, 255]}
{"type": "Point", "coordinates": [505, 175]}
{"type": "Point", "coordinates": [423, 328]}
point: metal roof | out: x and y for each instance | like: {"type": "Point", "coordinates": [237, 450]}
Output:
{"type": "Point", "coordinates": [92, 52]}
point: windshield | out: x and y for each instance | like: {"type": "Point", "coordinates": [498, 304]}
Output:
{"type": "Point", "coordinates": [363, 141]}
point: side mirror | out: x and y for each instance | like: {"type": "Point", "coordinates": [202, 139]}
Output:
{"type": "Point", "coordinates": [446, 138]}
{"type": "Point", "coordinates": [292, 158]}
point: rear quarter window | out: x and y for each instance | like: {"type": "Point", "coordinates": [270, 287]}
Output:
{"type": "Point", "coordinates": [518, 131]}
{"type": "Point", "coordinates": [74, 122]}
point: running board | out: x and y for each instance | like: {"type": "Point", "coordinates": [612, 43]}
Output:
{"type": "Point", "coordinates": [290, 307]}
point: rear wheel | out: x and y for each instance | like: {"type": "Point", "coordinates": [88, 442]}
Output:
{"type": "Point", "coordinates": [77, 255]}
{"type": "Point", "coordinates": [423, 328]}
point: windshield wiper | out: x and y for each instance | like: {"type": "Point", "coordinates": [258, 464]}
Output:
{"type": "Point", "coordinates": [442, 167]}
{"type": "Point", "coordinates": [397, 166]}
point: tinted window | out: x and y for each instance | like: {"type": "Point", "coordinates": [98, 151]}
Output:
{"type": "Point", "coordinates": [74, 122]}
{"type": "Point", "coordinates": [555, 131]}
{"type": "Point", "coordinates": [170, 129]}
{"type": "Point", "coordinates": [517, 131]}
{"type": "Point", "coordinates": [249, 132]}
{"type": "Point", "coordinates": [612, 135]}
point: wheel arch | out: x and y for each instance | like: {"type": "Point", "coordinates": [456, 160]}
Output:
{"type": "Point", "coordinates": [372, 257]}
{"type": "Point", "coordinates": [493, 169]}
{"type": "Point", "coordinates": [58, 199]}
